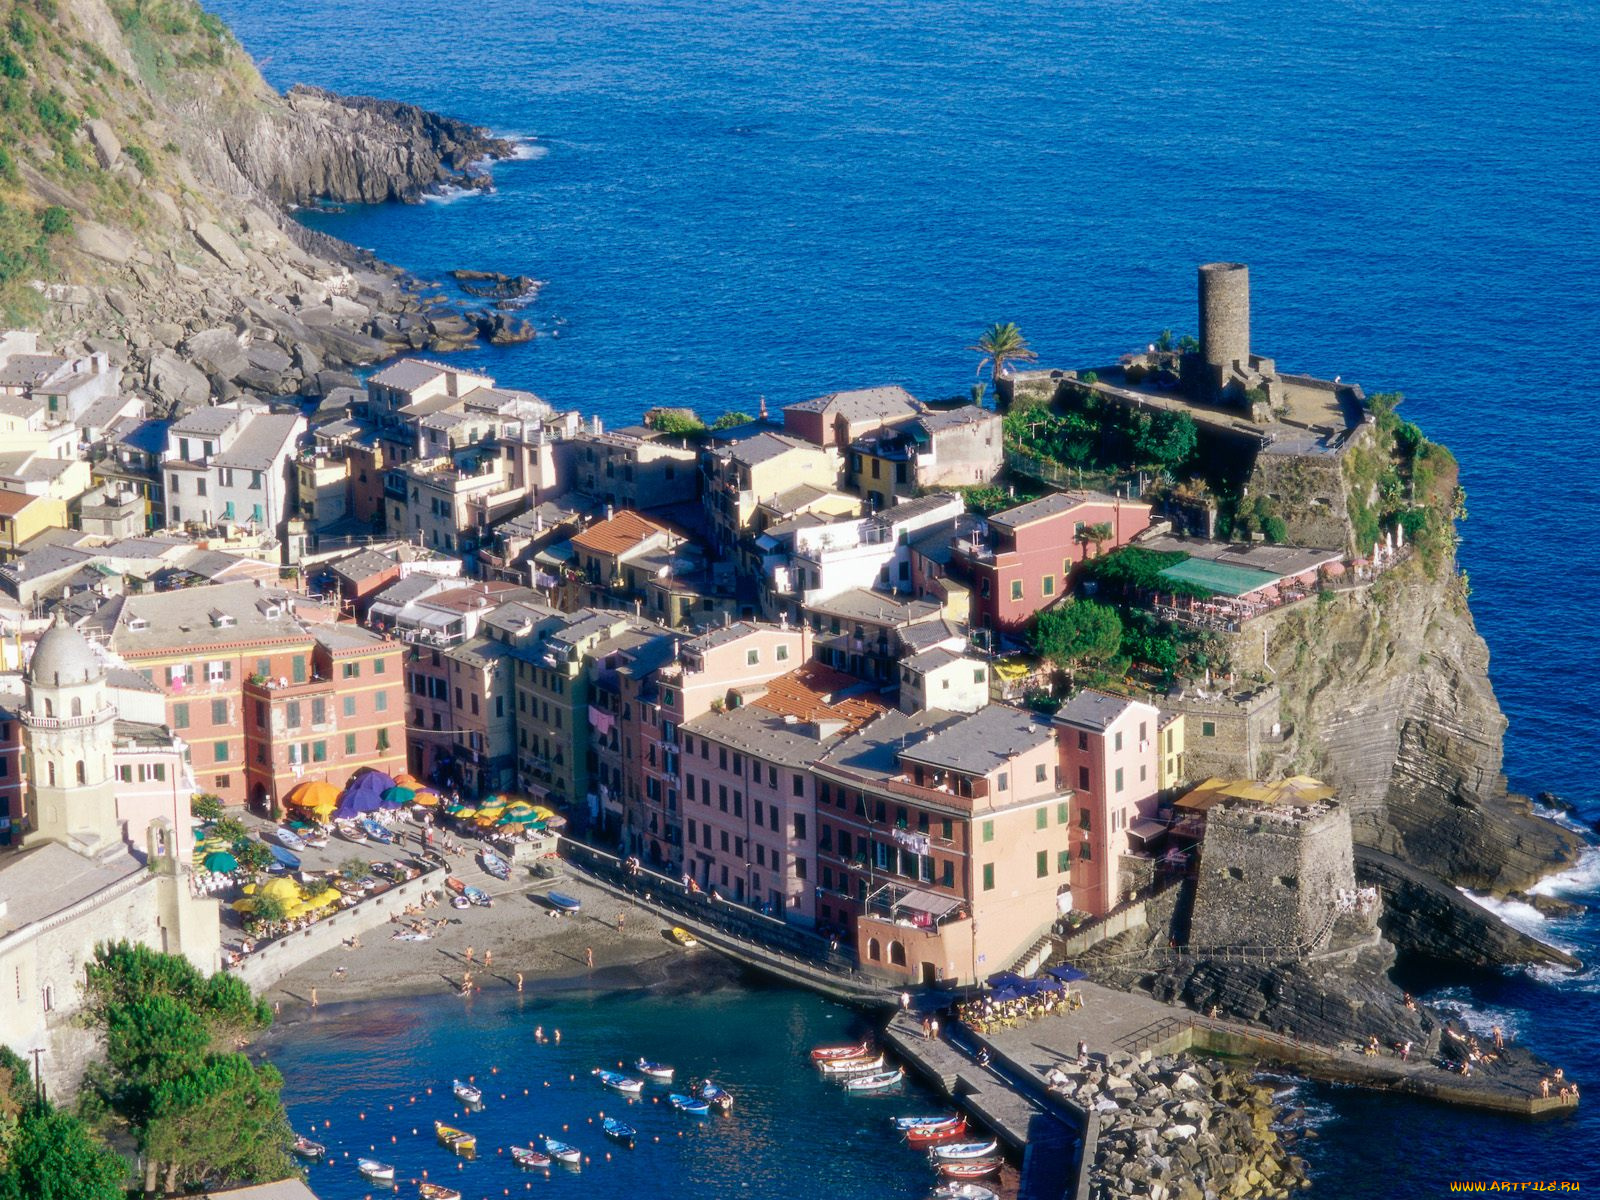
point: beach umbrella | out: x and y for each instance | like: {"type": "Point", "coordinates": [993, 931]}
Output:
{"type": "Point", "coordinates": [1065, 973]}
{"type": "Point", "coordinates": [363, 795]}
{"type": "Point", "coordinates": [314, 795]}
{"type": "Point", "coordinates": [516, 818]}
{"type": "Point", "coordinates": [543, 813]}
{"type": "Point", "coordinates": [222, 861]}
{"type": "Point", "coordinates": [520, 807]}
{"type": "Point", "coordinates": [396, 796]}
{"type": "Point", "coordinates": [407, 779]}
{"type": "Point", "coordinates": [425, 799]}
{"type": "Point", "coordinates": [199, 834]}
{"type": "Point", "coordinates": [1005, 979]}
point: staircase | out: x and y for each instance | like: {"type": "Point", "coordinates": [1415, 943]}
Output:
{"type": "Point", "coordinates": [1033, 958]}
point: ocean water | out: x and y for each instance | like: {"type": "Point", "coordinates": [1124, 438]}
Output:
{"type": "Point", "coordinates": [368, 1080]}
{"type": "Point", "coordinates": [781, 199]}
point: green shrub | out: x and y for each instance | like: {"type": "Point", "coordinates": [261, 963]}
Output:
{"type": "Point", "coordinates": [55, 221]}
{"type": "Point", "coordinates": [140, 157]}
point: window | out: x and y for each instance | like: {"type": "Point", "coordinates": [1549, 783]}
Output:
{"type": "Point", "coordinates": [351, 670]}
{"type": "Point", "coordinates": [988, 877]}
{"type": "Point", "coordinates": [291, 714]}
{"type": "Point", "coordinates": [1083, 779]}
{"type": "Point", "coordinates": [1041, 864]}
{"type": "Point", "coordinates": [1063, 861]}
{"type": "Point", "coordinates": [319, 710]}
{"type": "Point", "coordinates": [1083, 818]}
{"type": "Point", "coordinates": [349, 743]}
{"type": "Point", "coordinates": [799, 784]}
{"type": "Point", "coordinates": [988, 831]}
{"type": "Point", "coordinates": [1038, 773]}
{"type": "Point", "coordinates": [180, 716]}
{"type": "Point", "coordinates": [349, 706]}
{"type": "Point", "coordinates": [380, 701]}
{"type": "Point", "coordinates": [1083, 852]}
{"type": "Point", "coordinates": [219, 712]}
{"type": "Point", "coordinates": [1016, 589]}
{"type": "Point", "coordinates": [220, 751]}
{"type": "Point", "coordinates": [752, 657]}
{"type": "Point", "coordinates": [800, 826]}
{"type": "Point", "coordinates": [319, 751]}
{"type": "Point", "coordinates": [948, 876]}
{"type": "Point", "coordinates": [1005, 781]}
{"type": "Point", "coordinates": [378, 666]}
{"type": "Point", "coordinates": [1049, 585]}
{"type": "Point", "coordinates": [1208, 729]}
{"type": "Point", "coordinates": [297, 668]}
{"type": "Point", "coordinates": [782, 654]}
{"type": "Point", "coordinates": [947, 829]}
{"type": "Point", "coordinates": [1116, 740]}
{"type": "Point", "coordinates": [1119, 779]}
{"type": "Point", "coordinates": [1041, 818]}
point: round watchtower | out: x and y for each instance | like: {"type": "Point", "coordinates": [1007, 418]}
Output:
{"type": "Point", "coordinates": [1224, 316]}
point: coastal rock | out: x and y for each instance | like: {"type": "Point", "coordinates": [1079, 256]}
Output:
{"type": "Point", "coordinates": [500, 330]}
{"type": "Point", "coordinates": [176, 381]}
{"type": "Point", "coordinates": [110, 245]}
{"type": "Point", "coordinates": [107, 149]}
{"type": "Point", "coordinates": [216, 351]}
{"type": "Point", "coordinates": [215, 239]}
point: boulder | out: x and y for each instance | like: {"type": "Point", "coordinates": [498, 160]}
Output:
{"type": "Point", "coordinates": [268, 356]}
{"type": "Point", "coordinates": [498, 329]}
{"type": "Point", "coordinates": [107, 149]}
{"type": "Point", "coordinates": [176, 381]}
{"type": "Point", "coordinates": [217, 240]}
{"type": "Point", "coordinates": [216, 350]}
{"type": "Point", "coordinates": [109, 244]}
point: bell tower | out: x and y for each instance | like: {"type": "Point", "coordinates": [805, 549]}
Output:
{"type": "Point", "coordinates": [68, 726]}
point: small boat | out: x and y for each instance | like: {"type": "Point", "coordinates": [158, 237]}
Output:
{"type": "Point", "coordinates": [563, 1152]}
{"type": "Point", "coordinates": [527, 1156]}
{"type": "Point", "coordinates": [620, 1082]}
{"type": "Point", "coordinates": [936, 1135]}
{"type": "Point", "coordinates": [964, 1191]}
{"type": "Point", "coordinates": [683, 937]}
{"type": "Point", "coordinates": [719, 1098]}
{"type": "Point", "coordinates": [564, 903]}
{"type": "Point", "coordinates": [619, 1132]}
{"type": "Point", "coordinates": [290, 861]}
{"type": "Point", "coordinates": [654, 1069]}
{"type": "Point", "coordinates": [851, 1066]}
{"type": "Point", "coordinates": [411, 935]}
{"type": "Point", "coordinates": [452, 884]}
{"type": "Point", "coordinates": [376, 831]}
{"type": "Point", "coordinates": [905, 1123]}
{"type": "Point", "coordinates": [971, 1168]}
{"type": "Point", "coordinates": [494, 864]}
{"type": "Point", "coordinates": [373, 1169]}
{"type": "Point", "coordinates": [875, 1082]}
{"type": "Point", "coordinates": [966, 1150]}
{"type": "Point", "coordinates": [460, 902]}
{"type": "Point", "coordinates": [437, 1191]}
{"type": "Point", "coordinates": [350, 832]}
{"type": "Point", "coordinates": [315, 838]}
{"type": "Point", "coordinates": [688, 1104]}
{"type": "Point", "coordinates": [432, 858]}
{"type": "Point", "coordinates": [465, 1092]}
{"type": "Point", "coordinates": [305, 1148]}
{"type": "Point", "coordinates": [477, 896]}
{"type": "Point", "coordinates": [830, 1053]}
{"type": "Point", "coordinates": [458, 1140]}
{"type": "Point", "coordinates": [286, 837]}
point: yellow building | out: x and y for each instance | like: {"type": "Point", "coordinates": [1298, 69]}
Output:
{"type": "Point", "coordinates": [1169, 759]}
{"type": "Point", "coordinates": [23, 517]}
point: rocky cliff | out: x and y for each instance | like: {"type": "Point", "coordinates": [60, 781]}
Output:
{"type": "Point", "coordinates": [143, 181]}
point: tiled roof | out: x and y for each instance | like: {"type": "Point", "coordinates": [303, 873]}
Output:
{"type": "Point", "coordinates": [815, 692]}
{"type": "Point", "coordinates": [859, 403]}
{"type": "Point", "coordinates": [1093, 710]}
{"type": "Point", "coordinates": [621, 533]}
{"type": "Point", "coordinates": [1052, 505]}
{"type": "Point", "coordinates": [408, 373]}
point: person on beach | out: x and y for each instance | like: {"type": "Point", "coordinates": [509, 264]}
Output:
{"type": "Point", "coordinates": [314, 1004]}
{"type": "Point", "coordinates": [1499, 1037]}
{"type": "Point", "coordinates": [933, 1027]}
{"type": "Point", "coordinates": [538, 1034]}
{"type": "Point", "coordinates": [519, 981]}
{"type": "Point", "coordinates": [1083, 1053]}
{"type": "Point", "coordinates": [588, 956]}
{"type": "Point", "coordinates": [488, 959]}
{"type": "Point", "coordinates": [620, 917]}
{"type": "Point", "coordinates": [905, 1001]}
{"type": "Point", "coordinates": [1544, 1087]}
{"type": "Point", "coordinates": [469, 953]}
{"type": "Point", "coordinates": [558, 1037]}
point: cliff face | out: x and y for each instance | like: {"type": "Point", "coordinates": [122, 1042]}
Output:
{"type": "Point", "coordinates": [162, 236]}
{"type": "Point", "coordinates": [1388, 695]}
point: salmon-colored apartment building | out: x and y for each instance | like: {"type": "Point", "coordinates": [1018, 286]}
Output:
{"type": "Point", "coordinates": [1110, 756]}
{"type": "Point", "coordinates": [943, 841]}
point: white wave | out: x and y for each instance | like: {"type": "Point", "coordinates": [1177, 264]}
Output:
{"type": "Point", "coordinates": [1479, 1018]}
{"type": "Point", "coordinates": [1517, 913]}
{"type": "Point", "coordinates": [1580, 879]}
{"type": "Point", "coordinates": [449, 194]}
{"type": "Point", "coordinates": [524, 148]}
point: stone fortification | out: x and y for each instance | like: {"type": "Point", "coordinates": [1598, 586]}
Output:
{"type": "Point", "coordinates": [1270, 875]}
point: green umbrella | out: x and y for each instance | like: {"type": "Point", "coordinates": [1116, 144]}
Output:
{"type": "Point", "coordinates": [221, 861]}
{"type": "Point", "coordinates": [398, 795]}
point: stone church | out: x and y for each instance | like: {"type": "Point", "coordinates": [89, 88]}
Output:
{"type": "Point", "coordinates": [82, 877]}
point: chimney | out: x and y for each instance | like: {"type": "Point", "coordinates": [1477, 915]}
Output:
{"type": "Point", "coordinates": [608, 512]}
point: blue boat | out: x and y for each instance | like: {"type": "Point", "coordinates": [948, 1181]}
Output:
{"type": "Point", "coordinates": [561, 902]}
{"type": "Point", "coordinates": [715, 1096]}
{"type": "Point", "coordinates": [563, 1152]}
{"type": "Point", "coordinates": [688, 1104]}
{"type": "Point", "coordinates": [376, 831]}
{"type": "Point", "coordinates": [285, 837]}
{"type": "Point", "coordinates": [290, 861]}
{"type": "Point", "coordinates": [618, 1132]}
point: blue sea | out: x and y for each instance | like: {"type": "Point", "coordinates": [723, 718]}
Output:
{"type": "Point", "coordinates": [782, 199]}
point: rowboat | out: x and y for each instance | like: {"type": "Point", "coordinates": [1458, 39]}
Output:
{"type": "Point", "coordinates": [972, 1168]}
{"type": "Point", "coordinates": [315, 838]}
{"type": "Point", "coordinates": [287, 838]}
{"type": "Point", "coordinates": [564, 903]}
{"type": "Point", "coordinates": [688, 1104]}
{"type": "Point", "coordinates": [964, 1191]}
{"type": "Point", "coordinates": [527, 1156]}
{"type": "Point", "coordinates": [654, 1069]}
{"type": "Point", "coordinates": [683, 937]}
{"type": "Point", "coordinates": [289, 860]}
{"type": "Point", "coordinates": [618, 1132]}
{"type": "Point", "coordinates": [876, 1082]}
{"type": "Point", "coordinates": [936, 1135]}
{"type": "Point", "coordinates": [966, 1150]}
{"type": "Point", "coordinates": [717, 1097]}
{"type": "Point", "coordinates": [465, 1092]}
{"type": "Point", "coordinates": [431, 858]}
{"type": "Point", "coordinates": [494, 864]}
{"type": "Point", "coordinates": [851, 1066]}
{"type": "Point", "coordinates": [305, 1148]}
{"type": "Point", "coordinates": [458, 1140]}
{"type": "Point", "coordinates": [437, 1191]}
{"type": "Point", "coordinates": [376, 831]}
{"type": "Point", "coordinates": [373, 1169]}
{"type": "Point", "coordinates": [829, 1053]}
{"type": "Point", "coordinates": [477, 896]}
{"type": "Point", "coordinates": [562, 1152]}
{"type": "Point", "coordinates": [452, 884]}
{"type": "Point", "coordinates": [905, 1123]}
{"type": "Point", "coordinates": [350, 832]}
{"type": "Point", "coordinates": [411, 935]}
{"type": "Point", "coordinates": [619, 1082]}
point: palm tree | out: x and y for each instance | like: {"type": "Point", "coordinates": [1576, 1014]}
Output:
{"type": "Point", "coordinates": [1002, 344]}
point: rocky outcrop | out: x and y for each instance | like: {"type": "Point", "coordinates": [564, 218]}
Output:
{"type": "Point", "coordinates": [1387, 695]}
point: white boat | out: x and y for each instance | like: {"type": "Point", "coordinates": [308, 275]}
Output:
{"type": "Point", "coordinates": [965, 1191]}
{"type": "Point", "coordinates": [350, 832]}
{"type": "Point", "coordinates": [287, 838]}
{"type": "Point", "coordinates": [563, 1152]}
{"type": "Point", "coordinates": [959, 1150]}
{"type": "Point", "coordinates": [373, 1169]}
{"type": "Point", "coordinates": [851, 1066]}
{"type": "Point", "coordinates": [654, 1069]}
{"type": "Point", "coordinates": [875, 1083]}
{"type": "Point", "coordinates": [465, 1092]}
{"type": "Point", "coordinates": [618, 1082]}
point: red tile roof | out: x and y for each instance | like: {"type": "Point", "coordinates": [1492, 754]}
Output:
{"type": "Point", "coordinates": [618, 535]}
{"type": "Point", "coordinates": [804, 693]}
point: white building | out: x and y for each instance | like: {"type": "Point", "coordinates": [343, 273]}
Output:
{"type": "Point", "coordinates": [229, 465]}
{"type": "Point", "coordinates": [824, 560]}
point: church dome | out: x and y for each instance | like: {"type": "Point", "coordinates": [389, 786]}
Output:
{"type": "Point", "coordinates": [63, 657]}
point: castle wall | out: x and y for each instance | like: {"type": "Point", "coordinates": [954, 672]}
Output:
{"type": "Point", "coordinates": [1308, 492]}
{"type": "Point", "coordinates": [1226, 733]}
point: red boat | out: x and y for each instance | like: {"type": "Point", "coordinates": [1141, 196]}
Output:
{"type": "Point", "coordinates": [829, 1053]}
{"type": "Point", "coordinates": [971, 1168]}
{"type": "Point", "coordinates": [934, 1135]}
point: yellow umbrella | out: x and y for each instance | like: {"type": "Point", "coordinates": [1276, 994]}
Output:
{"type": "Point", "coordinates": [315, 795]}
{"type": "Point", "coordinates": [426, 799]}
{"type": "Point", "coordinates": [519, 806]}
{"type": "Point", "coordinates": [407, 780]}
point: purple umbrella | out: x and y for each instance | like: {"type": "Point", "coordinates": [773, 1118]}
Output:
{"type": "Point", "coordinates": [363, 794]}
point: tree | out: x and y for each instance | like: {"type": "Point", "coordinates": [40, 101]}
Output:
{"type": "Point", "coordinates": [680, 422]}
{"type": "Point", "coordinates": [355, 868]}
{"type": "Point", "coordinates": [1098, 534]}
{"type": "Point", "coordinates": [252, 856]}
{"type": "Point", "coordinates": [1001, 345]}
{"type": "Point", "coordinates": [55, 1157]}
{"type": "Point", "coordinates": [206, 806]}
{"type": "Point", "coordinates": [222, 1122]}
{"type": "Point", "coordinates": [1076, 634]}
{"type": "Point", "coordinates": [151, 1041]}
{"type": "Point", "coordinates": [1168, 440]}
{"type": "Point", "coordinates": [730, 420]}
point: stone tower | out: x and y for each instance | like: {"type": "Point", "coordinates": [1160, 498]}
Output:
{"type": "Point", "coordinates": [68, 723]}
{"type": "Point", "coordinates": [1224, 317]}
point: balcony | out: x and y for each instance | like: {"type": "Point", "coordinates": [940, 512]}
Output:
{"type": "Point", "coordinates": [37, 721]}
{"type": "Point", "coordinates": [280, 689]}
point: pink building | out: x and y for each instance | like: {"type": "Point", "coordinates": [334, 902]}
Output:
{"type": "Point", "coordinates": [1023, 561]}
{"type": "Point", "coordinates": [1110, 757]}
{"type": "Point", "coordinates": [658, 702]}
{"type": "Point", "coordinates": [837, 419]}
{"type": "Point", "coordinates": [749, 801]}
